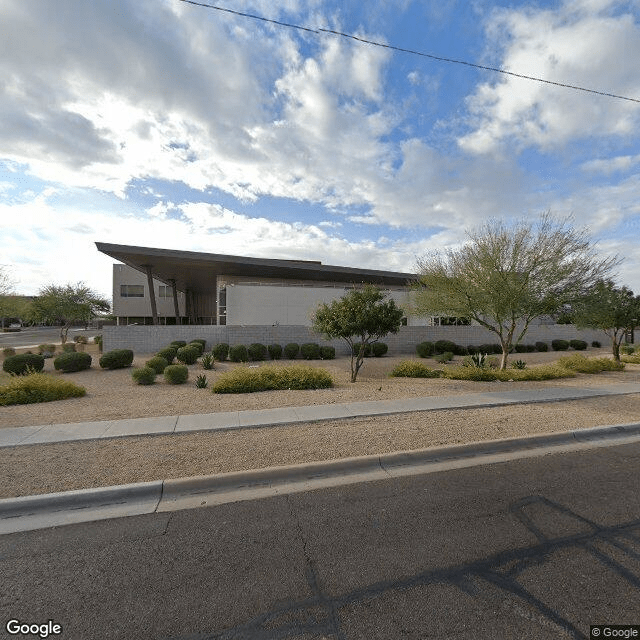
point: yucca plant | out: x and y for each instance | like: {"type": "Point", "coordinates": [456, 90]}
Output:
{"type": "Point", "coordinates": [479, 360]}
{"type": "Point", "coordinates": [207, 361]}
{"type": "Point", "coordinates": [201, 381]}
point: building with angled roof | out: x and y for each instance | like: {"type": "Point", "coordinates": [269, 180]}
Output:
{"type": "Point", "coordinates": [162, 286]}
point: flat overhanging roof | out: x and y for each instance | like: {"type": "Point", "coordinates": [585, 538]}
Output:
{"type": "Point", "coordinates": [197, 271]}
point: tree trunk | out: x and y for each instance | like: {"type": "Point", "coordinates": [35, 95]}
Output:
{"type": "Point", "coordinates": [615, 347]}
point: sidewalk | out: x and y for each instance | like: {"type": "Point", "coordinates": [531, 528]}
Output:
{"type": "Point", "coordinates": [57, 509]}
{"type": "Point", "coordinates": [165, 425]}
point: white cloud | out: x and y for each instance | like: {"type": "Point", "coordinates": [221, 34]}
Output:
{"type": "Point", "coordinates": [608, 166]}
{"type": "Point", "coordinates": [581, 44]}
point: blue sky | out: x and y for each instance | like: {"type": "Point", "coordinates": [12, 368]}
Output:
{"type": "Point", "coordinates": [159, 123]}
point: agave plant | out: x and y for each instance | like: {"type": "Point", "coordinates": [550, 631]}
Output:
{"type": "Point", "coordinates": [519, 364]}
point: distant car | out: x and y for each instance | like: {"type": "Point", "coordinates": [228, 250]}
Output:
{"type": "Point", "coordinates": [15, 325]}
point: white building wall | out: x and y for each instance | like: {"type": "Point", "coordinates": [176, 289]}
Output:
{"type": "Point", "coordinates": [255, 304]}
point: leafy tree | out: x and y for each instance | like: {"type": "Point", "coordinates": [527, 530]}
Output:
{"type": "Point", "coordinates": [68, 304]}
{"type": "Point", "coordinates": [610, 308]}
{"type": "Point", "coordinates": [6, 294]}
{"type": "Point", "coordinates": [359, 318]}
{"type": "Point", "coordinates": [505, 277]}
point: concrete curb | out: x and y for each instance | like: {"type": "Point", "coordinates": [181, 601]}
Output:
{"type": "Point", "coordinates": [86, 505]}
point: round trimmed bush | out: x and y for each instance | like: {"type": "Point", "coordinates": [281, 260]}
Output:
{"type": "Point", "coordinates": [157, 363]}
{"type": "Point", "coordinates": [378, 349]}
{"type": "Point", "coordinates": [168, 353]}
{"type": "Point", "coordinates": [257, 351]}
{"type": "Point", "coordinates": [559, 345]}
{"type": "Point", "coordinates": [578, 345]}
{"type": "Point", "coordinates": [310, 351]}
{"type": "Point", "coordinates": [595, 344]}
{"type": "Point", "coordinates": [291, 350]}
{"type": "Point", "coordinates": [425, 349]}
{"type": "Point", "coordinates": [238, 353]}
{"type": "Point", "coordinates": [188, 354]}
{"type": "Point", "coordinates": [542, 346]}
{"type": "Point", "coordinates": [178, 343]}
{"type": "Point", "coordinates": [198, 346]}
{"type": "Point", "coordinates": [221, 351]}
{"type": "Point", "coordinates": [275, 351]}
{"type": "Point", "coordinates": [144, 375]}
{"type": "Point", "coordinates": [116, 359]}
{"type": "Point", "coordinates": [367, 349]}
{"type": "Point", "coordinates": [444, 346]}
{"type": "Point", "coordinates": [70, 362]}
{"type": "Point", "coordinates": [202, 341]}
{"type": "Point", "coordinates": [176, 374]}
{"type": "Point", "coordinates": [327, 352]}
{"type": "Point", "coordinates": [23, 363]}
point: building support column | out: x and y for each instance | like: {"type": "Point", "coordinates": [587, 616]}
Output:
{"type": "Point", "coordinates": [152, 294]}
{"type": "Point", "coordinates": [176, 307]}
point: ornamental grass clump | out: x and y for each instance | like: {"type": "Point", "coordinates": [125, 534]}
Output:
{"type": "Point", "coordinates": [157, 363]}
{"type": "Point", "coordinates": [176, 374]}
{"type": "Point", "coordinates": [71, 362]}
{"type": "Point", "coordinates": [581, 364]}
{"type": "Point", "coordinates": [116, 359]}
{"type": "Point", "coordinates": [542, 372]}
{"type": "Point", "coordinates": [23, 363]}
{"type": "Point", "coordinates": [38, 387]}
{"type": "Point", "coordinates": [46, 350]}
{"type": "Point", "coordinates": [270, 378]}
{"type": "Point", "coordinates": [414, 369]}
{"type": "Point", "coordinates": [144, 375]}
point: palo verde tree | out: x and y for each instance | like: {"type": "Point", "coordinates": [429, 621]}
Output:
{"type": "Point", "coordinates": [360, 317]}
{"type": "Point", "coordinates": [68, 304]}
{"type": "Point", "coordinates": [504, 277]}
{"type": "Point", "coordinates": [612, 309]}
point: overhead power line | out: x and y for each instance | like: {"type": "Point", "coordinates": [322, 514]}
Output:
{"type": "Point", "coordinates": [320, 30]}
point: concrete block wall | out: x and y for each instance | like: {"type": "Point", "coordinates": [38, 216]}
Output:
{"type": "Point", "coordinates": [149, 339]}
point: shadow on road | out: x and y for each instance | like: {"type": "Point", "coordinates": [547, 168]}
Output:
{"type": "Point", "coordinates": [319, 616]}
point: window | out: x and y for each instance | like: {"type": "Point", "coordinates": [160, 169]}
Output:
{"type": "Point", "coordinates": [131, 291]}
{"type": "Point", "coordinates": [165, 291]}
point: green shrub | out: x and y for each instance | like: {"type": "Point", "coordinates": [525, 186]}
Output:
{"type": "Point", "coordinates": [634, 359]}
{"type": "Point", "coordinates": [168, 353]}
{"type": "Point", "coordinates": [69, 346]}
{"type": "Point", "coordinates": [38, 387]}
{"type": "Point", "coordinates": [491, 348]}
{"type": "Point", "coordinates": [542, 372]}
{"type": "Point", "coordinates": [582, 364]}
{"type": "Point", "coordinates": [595, 344]}
{"type": "Point", "coordinates": [23, 363]}
{"type": "Point", "coordinates": [201, 381]}
{"type": "Point", "coordinates": [291, 350]}
{"type": "Point", "coordinates": [197, 346]}
{"type": "Point", "coordinates": [238, 353]}
{"type": "Point", "coordinates": [70, 362]}
{"type": "Point", "coordinates": [98, 340]}
{"type": "Point", "coordinates": [472, 349]}
{"type": "Point", "coordinates": [378, 349]}
{"type": "Point", "coordinates": [413, 369]}
{"type": "Point", "coordinates": [8, 351]}
{"type": "Point", "coordinates": [188, 354]}
{"type": "Point", "coordinates": [275, 351]}
{"type": "Point", "coordinates": [178, 344]}
{"type": "Point", "coordinates": [157, 363]}
{"type": "Point", "coordinates": [425, 349]}
{"type": "Point", "coordinates": [207, 361]}
{"type": "Point", "coordinates": [442, 346]}
{"type": "Point", "coordinates": [270, 377]}
{"type": "Point", "coordinates": [578, 345]}
{"type": "Point", "coordinates": [445, 357]}
{"type": "Point", "coordinates": [176, 374]}
{"type": "Point", "coordinates": [202, 341]}
{"type": "Point", "coordinates": [525, 348]}
{"type": "Point", "coordinates": [46, 350]}
{"type": "Point", "coordinates": [327, 352]}
{"type": "Point", "coordinates": [221, 351]}
{"type": "Point", "coordinates": [257, 351]}
{"type": "Point", "coordinates": [116, 359]}
{"type": "Point", "coordinates": [627, 349]}
{"type": "Point", "coordinates": [559, 345]}
{"type": "Point", "coordinates": [144, 375]}
{"type": "Point", "coordinates": [310, 351]}
{"type": "Point", "coordinates": [542, 346]}
{"type": "Point", "coordinates": [81, 340]}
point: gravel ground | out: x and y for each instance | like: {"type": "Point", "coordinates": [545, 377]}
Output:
{"type": "Point", "coordinates": [111, 395]}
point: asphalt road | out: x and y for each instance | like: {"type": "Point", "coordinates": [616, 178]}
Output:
{"type": "Point", "coordinates": [534, 548]}
{"type": "Point", "coordinates": [30, 336]}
